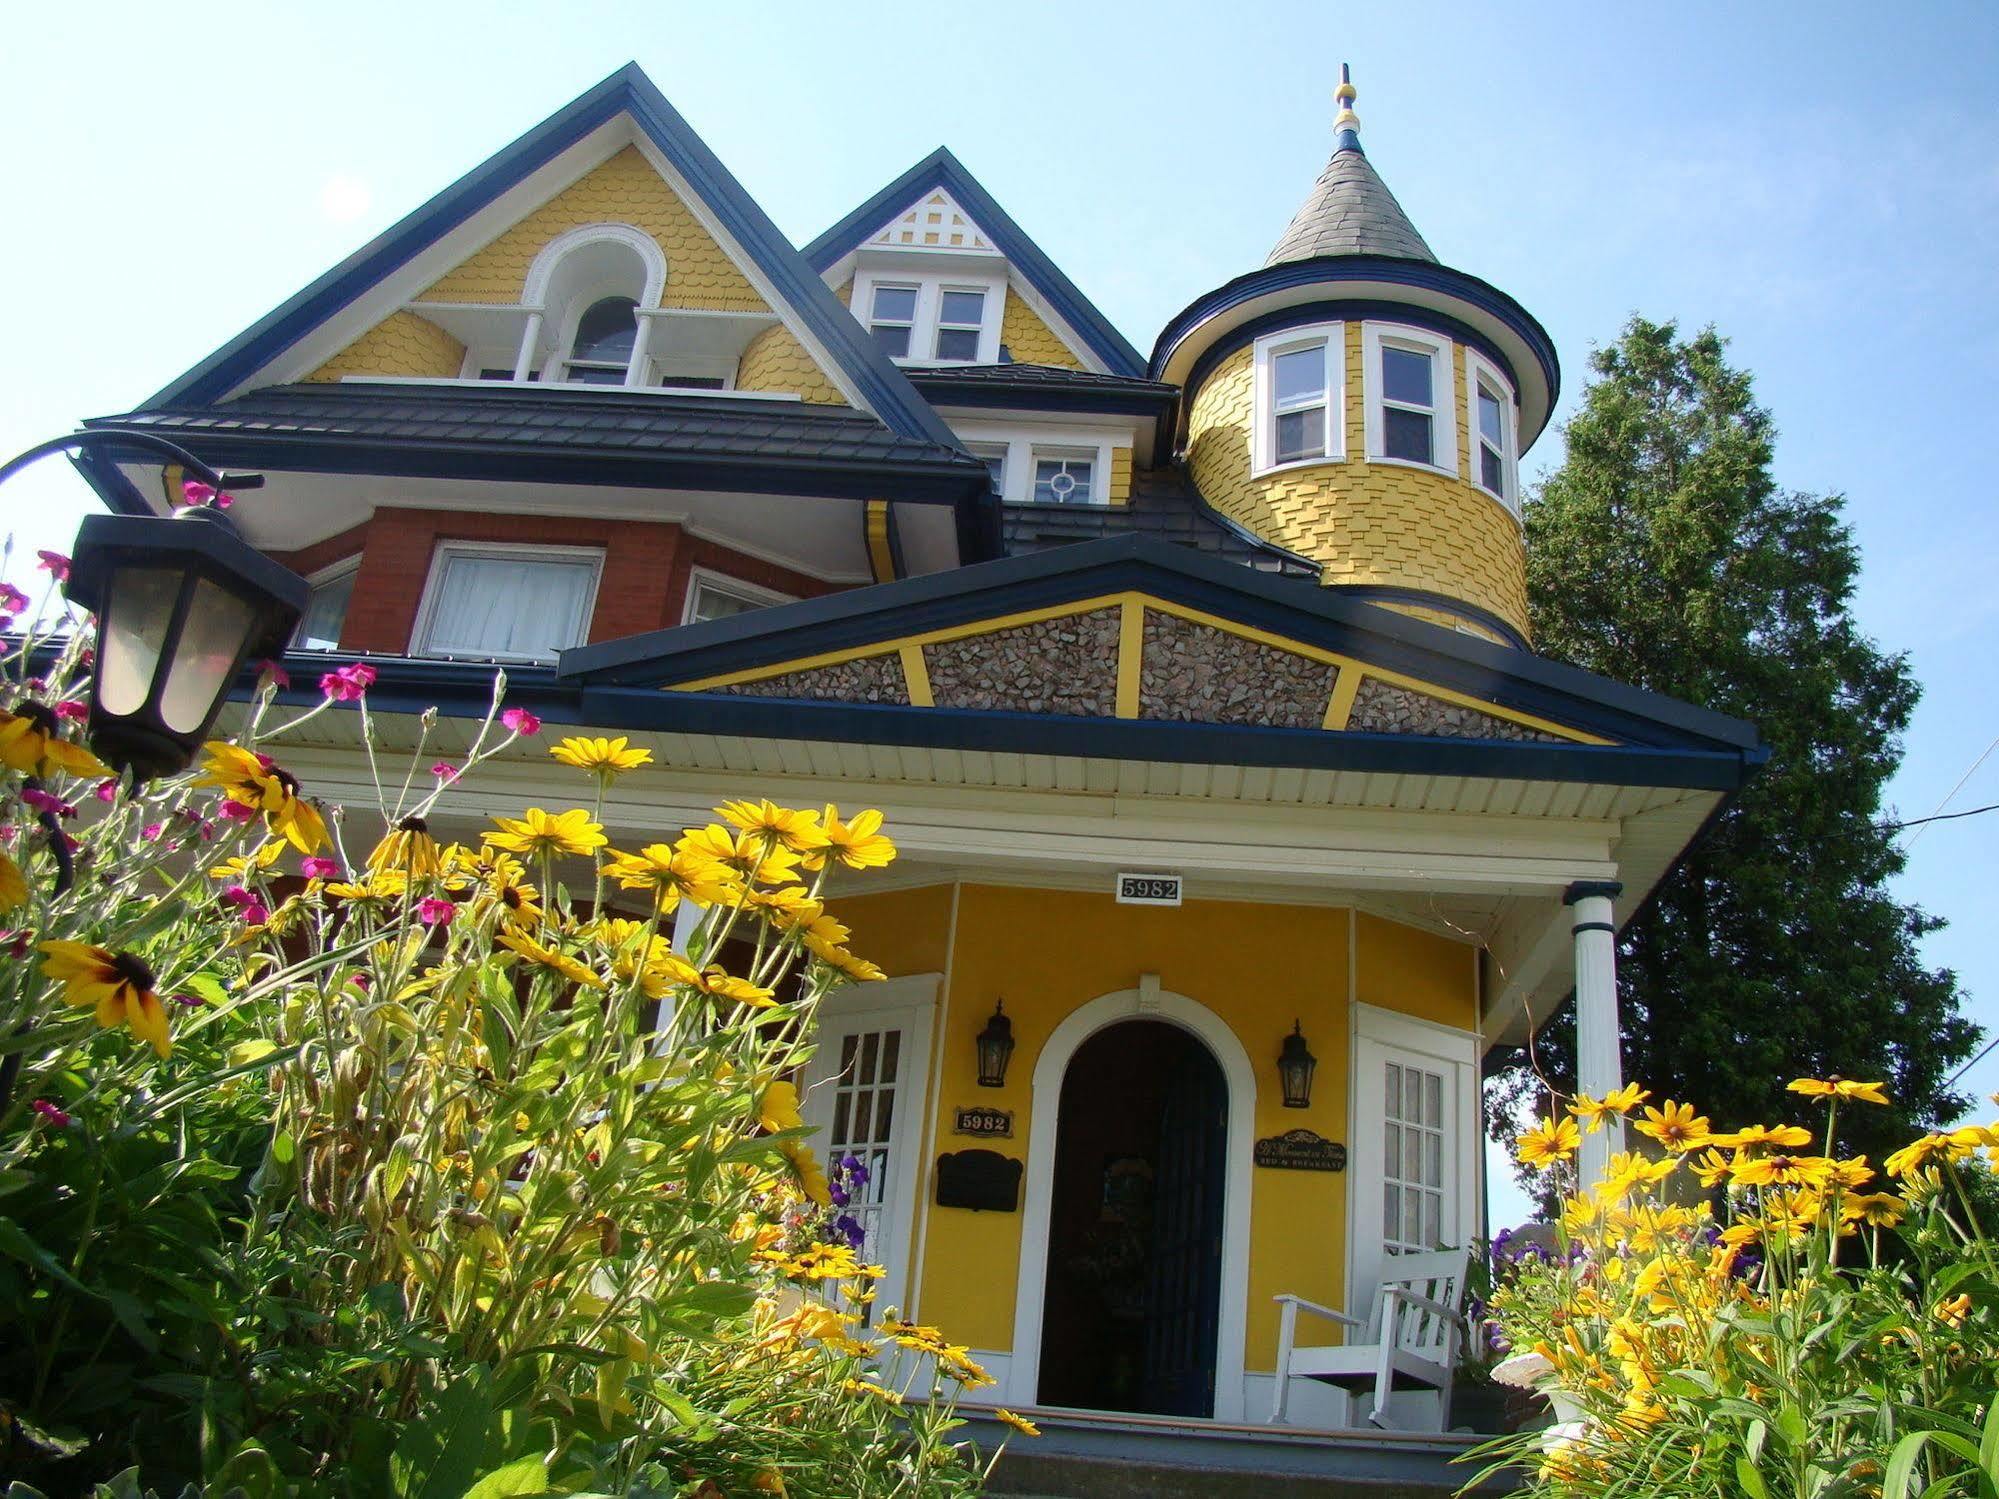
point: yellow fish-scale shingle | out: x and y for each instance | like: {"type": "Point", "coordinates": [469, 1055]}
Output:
{"type": "Point", "coordinates": [776, 361]}
{"type": "Point", "coordinates": [1363, 522]}
{"type": "Point", "coordinates": [401, 344]}
{"type": "Point", "coordinates": [624, 190]}
{"type": "Point", "coordinates": [1030, 340]}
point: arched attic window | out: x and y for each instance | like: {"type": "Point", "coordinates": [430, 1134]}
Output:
{"type": "Point", "coordinates": [593, 287]}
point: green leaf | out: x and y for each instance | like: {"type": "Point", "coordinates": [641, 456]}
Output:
{"type": "Point", "coordinates": [1902, 1465]}
{"type": "Point", "coordinates": [244, 1053]}
{"type": "Point", "coordinates": [442, 1450]}
{"type": "Point", "coordinates": [283, 1147]}
{"type": "Point", "coordinates": [208, 987]}
{"type": "Point", "coordinates": [1750, 1479]}
{"type": "Point", "coordinates": [527, 1475]}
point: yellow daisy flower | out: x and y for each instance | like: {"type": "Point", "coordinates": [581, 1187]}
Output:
{"type": "Point", "coordinates": [253, 780]}
{"type": "Point", "coordinates": [1755, 1136]}
{"type": "Point", "coordinates": [749, 855]}
{"type": "Point", "coordinates": [859, 844]}
{"type": "Point", "coordinates": [502, 882]}
{"type": "Point", "coordinates": [31, 742]}
{"type": "Point", "coordinates": [1785, 1171]}
{"type": "Point", "coordinates": [777, 1110]}
{"type": "Point", "coordinates": [1838, 1087]}
{"type": "Point", "coordinates": [1713, 1169]}
{"type": "Point", "coordinates": [1019, 1423]}
{"type": "Point", "coordinates": [604, 757]}
{"type": "Point", "coordinates": [240, 867]}
{"type": "Point", "coordinates": [1549, 1141]}
{"type": "Point", "coordinates": [13, 885]}
{"type": "Point", "coordinates": [119, 985]}
{"type": "Point", "coordinates": [1881, 1209]}
{"type": "Point", "coordinates": [1593, 1111]}
{"type": "Point", "coordinates": [545, 833]}
{"type": "Point", "coordinates": [407, 849]}
{"type": "Point", "coordinates": [672, 877]}
{"type": "Point", "coordinates": [1676, 1126]}
{"type": "Point", "coordinates": [549, 958]}
{"type": "Point", "coordinates": [775, 826]}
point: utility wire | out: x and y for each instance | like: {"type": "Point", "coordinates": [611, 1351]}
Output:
{"type": "Point", "coordinates": [1935, 817]}
{"type": "Point", "coordinates": [1917, 822]}
{"type": "Point", "coordinates": [1983, 1052]}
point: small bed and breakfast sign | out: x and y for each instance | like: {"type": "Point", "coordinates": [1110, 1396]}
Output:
{"type": "Point", "coordinates": [1301, 1150]}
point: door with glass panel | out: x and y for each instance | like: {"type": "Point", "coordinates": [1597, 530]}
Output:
{"type": "Point", "coordinates": [865, 1096]}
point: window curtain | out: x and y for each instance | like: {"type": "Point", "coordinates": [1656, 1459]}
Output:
{"type": "Point", "coordinates": [507, 606]}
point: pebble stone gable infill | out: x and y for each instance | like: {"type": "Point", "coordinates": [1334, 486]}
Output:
{"type": "Point", "coordinates": [1198, 674]}
{"type": "Point", "coordinates": [872, 679]}
{"type": "Point", "coordinates": [1383, 708]}
{"type": "Point", "coordinates": [1066, 665]}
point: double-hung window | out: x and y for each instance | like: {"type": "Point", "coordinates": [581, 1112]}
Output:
{"type": "Point", "coordinates": [1064, 477]}
{"type": "Point", "coordinates": [326, 607]}
{"type": "Point", "coordinates": [1492, 420]}
{"type": "Point", "coordinates": [1409, 408]}
{"type": "Point", "coordinates": [892, 319]}
{"type": "Point", "coordinates": [713, 596]}
{"type": "Point", "coordinates": [507, 603]}
{"type": "Point", "coordinates": [961, 318]}
{"type": "Point", "coordinates": [1299, 416]}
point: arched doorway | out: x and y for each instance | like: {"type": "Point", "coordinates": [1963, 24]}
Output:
{"type": "Point", "coordinates": [1133, 1283]}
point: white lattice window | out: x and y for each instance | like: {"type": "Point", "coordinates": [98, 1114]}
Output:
{"type": "Point", "coordinates": [1062, 477]}
{"type": "Point", "coordinates": [1412, 1168]}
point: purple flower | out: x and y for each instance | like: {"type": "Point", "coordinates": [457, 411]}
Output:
{"type": "Point", "coordinates": [319, 867]}
{"type": "Point", "coordinates": [521, 722]}
{"type": "Point", "coordinates": [51, 1113]}
{"type": "Point", "coordinates": [12, 600]}
{"type": "Point", "coordinates": [248, 903]}
{"type": "Point", "coordinates": [435, 910]}
{"type": "Point", "coordinates": [349, 684]}
{"type": "Point", "coordinates": [151, 832]}
{"type": "Point", "coordinates": [234, 811]}
{"type": "Point", "coordinates": [445, 771]}
{"type": "Point", "coordinates": [55, 564]}
{"type": "Point", "coordinates": [192, 1001]}
{"type": "Point", "coordinates": [106, 791]}
{"type": "Point", "coordinates": [73, 711]}
{"type": "Point", "coordinates": [848, 1229]}
{"type": "Point", "coordinates": [41, 801]}
{"type": "Point", "coordinates": [17, 944]}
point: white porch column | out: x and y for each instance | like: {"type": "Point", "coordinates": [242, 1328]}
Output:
{"type": "Point", "coordinates": [1599, 1052]}
{"type": "Point", "coordinates": [635, 371]}
{"type": "Point", "coordinates": [530, 338]}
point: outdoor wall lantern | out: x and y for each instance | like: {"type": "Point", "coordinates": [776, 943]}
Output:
{"type": "Point", "coordinates": [181, 604]}
{"type": "Point", "coordinates": [1295, 1065]}
{"type": "Point", "coordinates": [995, 1045]}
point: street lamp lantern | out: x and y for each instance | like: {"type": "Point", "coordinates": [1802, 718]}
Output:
{"type": "Point", "coordinates": [181, 604]}
{"type": "Point", "coordinates": [1295, 1066]}
{"type": "Point", "coordinates": [995, 1048]}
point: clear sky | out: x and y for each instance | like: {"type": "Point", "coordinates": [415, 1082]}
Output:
{"type": "Point", "coordinates": [1820, 181]}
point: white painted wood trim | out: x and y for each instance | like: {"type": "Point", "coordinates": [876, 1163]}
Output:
{"type": "Point", "coordinates": [705, 577]}
{"type": "Point", "coordinates": [933, 1110]}
{"type": "Point", "coordinates": [1477, 368]}
{"type": "Point", "coordinates": [1263, 435]}
{"type": "Point", "coordinates": [1030, 1288]}
{"type": "Point", "coordinates": [1443, 391]}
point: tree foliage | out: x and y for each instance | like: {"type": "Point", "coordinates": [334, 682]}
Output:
{"type": "Point", "coordinates": [1663, 553]}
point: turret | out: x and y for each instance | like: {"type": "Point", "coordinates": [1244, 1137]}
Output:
{"type": "Point", "coordinates": [1357, 401]}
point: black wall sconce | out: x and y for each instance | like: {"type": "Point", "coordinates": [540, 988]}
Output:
{"type": "Point", "coordinates": [1295, 1065]}
{"type": "Point", "coordinates": [995, 1045]}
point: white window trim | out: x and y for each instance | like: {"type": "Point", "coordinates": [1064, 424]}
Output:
{"type": "Point", "coordinates": [930, 286]}
{"type": "Point", "coordinates": [1017, 475]}
{"type": "Point", "coordinates": [1000, 450]}
{"type": "Point", "coordinates": [1444, 425]}
{"type": "Point", "coordinates": [1477, 368]}
{"type": "Point", "coordinates": [1453, 1052]}
{"type": "Point", "coordinates": [433, 585]}
{"type": "Point", "coordinates": [1053, 452]}
{"type": "Point", "coordinates": [1263, 442]}
{"type": "Point", "coordinates": [331, 573]}
{"type": "Point", "coordinates": [702, 577]}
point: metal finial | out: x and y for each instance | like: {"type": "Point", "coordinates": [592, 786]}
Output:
{"type": "Point", "coordinates": [1347, 125]}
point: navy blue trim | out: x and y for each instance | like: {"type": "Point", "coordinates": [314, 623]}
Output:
{"type": "Point", "coordinates": [1383, 592]}
{"type": "Point", "coordinates": [627, 91]}
{"type": "Point", "coordinates": [461, 689]}
{"type": "Point", "coordinates": [1040, 396]}
{"type": "Point", "coordinates": [120, 495]}
{"type": "Point", "coordinates": [1283, 606]}
{"type": "Point", "coordinates": [1584, 889]}
{"type": "Point", "coordinates": [1593, 926]}
{"type": "Point", "coordinates": [1420, 275]}
{"type": "Point", "coordinates": [941, 169]}
{"type": "Point", "coordinates": [1348, 309]}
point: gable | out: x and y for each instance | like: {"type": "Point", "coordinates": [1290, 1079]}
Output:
{"type": "Point", "coordinates": [1030, 340]}
{"type": "Point", "coordinates": [934, 221]}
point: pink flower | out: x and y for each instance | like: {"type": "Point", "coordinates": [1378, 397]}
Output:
{"type": "Point", "coordinates": [12, 600]}
{"type": "Point", "coordinates": [521, 721]}
{"type": "Point", "coordinates": [192, 1001]}
{"type": "Point", "coordinates": [74, 712]}
{"type": "Point", "coordinates": [106, 791]}
{"type": "Point", "coordinates": [51, 1113]}
{"type": "Point", "coordinates": [234, 811]}
{"type": "Point", "coordinates": [247, 903]}
{"type": "Point", "coordinates": [435, 910]}
{"type": "Point", "coordinates": [349, 684]}
{"type": "Point", "coordinates": [445, 771]}
{"type": "Point", "coordinates": [319, 867]}
{"type": "Point", "coordinates": [55, 564]}
{"type": "Point", "coordinates": [8, 832]}
{"type": "Point", "coordinates": [41, 801]}
{"type": "Point", "coordinates": [279, 677]}
{"type": "Point", "coordinates": [151, 832]}
{"type": "Point", "coordinates": [17, 944]}
{"type": "Point", "coordinates": [198, 493]}
{"type": "Point", "coordinates": [362, 982]}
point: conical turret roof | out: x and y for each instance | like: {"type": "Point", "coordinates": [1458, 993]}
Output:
{"type": "Point", "coordinates": [1350, 210]}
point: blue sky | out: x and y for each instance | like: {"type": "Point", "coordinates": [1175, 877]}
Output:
{"type": "Point", "coordinates": [1821, 182]}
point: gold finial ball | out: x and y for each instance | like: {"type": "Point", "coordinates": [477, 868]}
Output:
{"type": "Point", "coordinates": [1345, 94]}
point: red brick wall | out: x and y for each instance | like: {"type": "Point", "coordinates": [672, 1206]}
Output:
{"type": "Point", "coordinates": [308, 560]}
{"type": "Point", "coordinates": [643, 585]}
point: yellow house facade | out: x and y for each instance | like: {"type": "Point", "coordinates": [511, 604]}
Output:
{"type": "Point", "coordinates": [1238, 822]}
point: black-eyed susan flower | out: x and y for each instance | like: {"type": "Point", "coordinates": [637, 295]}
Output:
{"type": "Point", "coordinates": [777, 1110]}
{"type": "Point", "coordinates": [604, 757]}
{"type": "Point", "coordinates": [409, 850]}
{"type": "Point", "coordinates": [500, 883]}
{"type": "Point", "coordinates": [1839, 1088]}
{"type": "Point", "coordinates": [257, 782]}
{"type": "Point", "coordinates": [778, 827]}
{"type": "Point", "coordinates": [1549, 1141]}
{"type": "Point", "coordinates": [859, 844]}
{"type": "Point", "coordinates": [13, 885]}
{"type": "Point", "coordinates": [717, 983]}
{"type": "Point", "coordinates": [549, 958]}
{"type": "Point", "coordinates": [31, 742]}
{"type": "Point", "coordinates": [1676, 1126]}
{"type": "Point", "coordinates": [1762, 1136]}
{"type": "Point", "coordinates": [548, 834]}
{"type": "Point", "coordinates": [241, 867]}
{"type": "Point", "coordinates": [118, 985]}
{"type": "Point", "coordinates": [748, 855]}
{"type": "Point", "coordinates": [1593, 1111]}
{"type": "Point", "coordinates": [1019, 1423]}
{"type": "Point", "coordinates": [1784, 1171]}
{"type": "Point", "coordinates": [1878, 1209]}
{"type": "Point", "coordinates": [811, 1175]}
{"type": "Point", "coordinates": [1713, 1168]}
{"type": "Point", "coordinates": [842, 961]}
{"type": "Point", "coordinates": [674, 876]}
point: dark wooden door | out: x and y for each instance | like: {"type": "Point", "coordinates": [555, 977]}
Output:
{"type": "Point", "coordinates": [1184, 1277]}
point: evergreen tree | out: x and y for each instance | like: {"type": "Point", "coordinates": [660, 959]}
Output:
{"type": "Point", "coordinates": [1663, 554]}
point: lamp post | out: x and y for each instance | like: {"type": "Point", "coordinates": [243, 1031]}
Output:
{"type": "Point", "coordinates": [181, 604]}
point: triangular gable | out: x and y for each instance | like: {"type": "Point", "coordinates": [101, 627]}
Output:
{"type": "Point", "coordinates": [1141, 630]}
{"type": "Point", "coordinates": [935, 221]}
{"type": "Point", "coordinates": [626, 109]}
{"type": "Point", "coordinates": [941, 172]}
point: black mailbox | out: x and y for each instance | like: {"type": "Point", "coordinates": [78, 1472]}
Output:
{"type": "Point", "coordinates": [982, 1180]}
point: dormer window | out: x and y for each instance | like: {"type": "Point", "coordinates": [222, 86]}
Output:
{"type": "Point", "coordinates": [1064, 477]}
{"type": "Point", "coordinates": [1494, 423]}
{"type": "Point", "coordinates": [605, 336]}
{"type": "Point", "coordinates": [1300, 411]}
{"type": "Point", "coordinates": [921, 318]}
{"type": "Point", "coordinates": [1409, 385]}
{"type": "Point", "coordinates": [961, 317]}
{"type": "Point", "coordinates": [892, 319]}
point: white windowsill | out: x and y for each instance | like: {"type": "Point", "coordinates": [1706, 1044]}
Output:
{"type": "Point", "coordinates": [1428, 468]}
{"type": "Point", "coordinates": [1295, 463]}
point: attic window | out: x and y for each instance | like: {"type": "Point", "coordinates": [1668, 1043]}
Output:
{"type": "Point", "coordinates": [931, 319]}
{"type": "Point", "coordinates": [606, 334]}
{"type": "Point", "coordinates": [961, 317]}
{"type": "Point", "coordinates": [1064, 478]}
{"type": "Point", "coordinates": [892, 319]}
{"type": "Point", "coordinates": [714, 596]}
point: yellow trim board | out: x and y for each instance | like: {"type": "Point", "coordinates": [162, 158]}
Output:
{"type": "Point", "coordinates": [916, 677]}
{"type": "Point", "coordinates": [1339, 707]}
{"type": "Point", "coordinates": [881, 556]}
{"type": "Point", "coordinates": [1133, 604]}
{"type": "Point", "coordinates": [1130, 655]}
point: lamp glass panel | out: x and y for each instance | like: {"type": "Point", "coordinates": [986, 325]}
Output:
{"type": "Point", "coordinates": [138, 609]}
{"type": "Point", "coordinates": [211, 644]}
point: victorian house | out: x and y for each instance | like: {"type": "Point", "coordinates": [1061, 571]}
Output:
{"type": "Point", "coordinates": [1196, 685]}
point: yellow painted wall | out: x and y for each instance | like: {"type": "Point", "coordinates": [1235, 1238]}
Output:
{"type": "Point", "coordinates": [624, 190]}
{"type": "Point", "coordinates": [1119, 492]}
{"type": "Point", "coordinates": [776, 361]}
{"type": "Point", "coordinates": [1365, 522]}
{"type": "Point", "coordinates": [401, 344]}
{"type": "Point", "coordinates": [1030, 340]}
{"type": "Point", "coordinates": [1257, 966]}
{"type": "Point", "coordinates": [901, 932]}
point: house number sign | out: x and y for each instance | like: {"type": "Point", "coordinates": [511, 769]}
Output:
{"type": "Point", "coordinates": [1301, 1150]}
{"type": "Point", "coordinates": [993, 1123]}
{"type": "Point", "coordinates": [1148, 889]}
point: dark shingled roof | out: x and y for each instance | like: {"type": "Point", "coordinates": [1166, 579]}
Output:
{"type": "Point", "coordinates": [1350, 211]}
{"type": "Point", "coordinates": [1164, 504]}
{"type": "Point", "coordinates": [545, 421]}
{"type": "Point", "coordinates": [1054, 377]}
